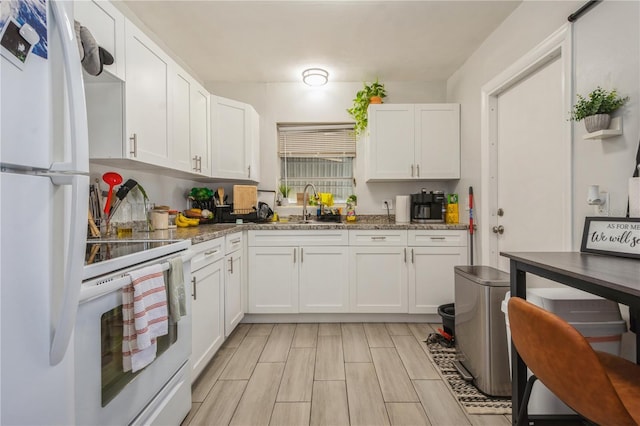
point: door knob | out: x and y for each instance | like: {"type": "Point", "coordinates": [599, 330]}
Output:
{"type": "Point", "coordinates": [498, 229]}
{"type": "Point", "coordinates": [500, 212]}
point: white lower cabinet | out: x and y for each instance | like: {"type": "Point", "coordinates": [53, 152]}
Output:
{"type": "Point", "coordinates": [355, 271]}
{"type": "Point", "coordinates": [234, 261]}
{"type": "Point", "coordinates": [303, 271]}
{"type": "Point", "coordinates": [207, 292]}
{"type": "Point", "coordinates": [433, 255]}
{"type": "Point", "coordinates": [378, 271]}
{"type": "Point", "coordinates": [324, 279]}
{"type": "Point", "coordinates": [273, 280]}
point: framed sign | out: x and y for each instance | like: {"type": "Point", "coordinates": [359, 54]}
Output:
{"type": "Point", "coordinates": [615, 236]}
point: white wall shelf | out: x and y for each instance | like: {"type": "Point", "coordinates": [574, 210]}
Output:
{"type": "Point", "coordinates": [615, 129]}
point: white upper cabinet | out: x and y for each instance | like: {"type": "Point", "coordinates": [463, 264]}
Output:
{"type": "Point", "coordinates": [180, 108]}
{"type": "Point", "coordinates": [161, 115]}
{"type": "Point", "coordinates": [391, 142]}
{"type": "Point", "coordinates": [190, 141]}
{"type": "Point", "coordinates": [413, 142]}
{"type": "Point", "coordinates": [106, 24]}
{"type": "Point", "coordinates": [200, 130]}
{"type": "Point", "coordinates": [254, 146]}
{"type": "Point", "coordinates": [437, 135]}
{"type": "Point", "coordinates": [234, 130]}
{"type": "Point", "coordinates": [147, 99]}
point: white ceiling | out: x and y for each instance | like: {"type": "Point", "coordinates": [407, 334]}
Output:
{"type": "Point", "coordinates": [273, 41]}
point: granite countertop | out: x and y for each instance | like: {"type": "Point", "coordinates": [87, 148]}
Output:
{"type": "Point", "coordinates": [201, 233]}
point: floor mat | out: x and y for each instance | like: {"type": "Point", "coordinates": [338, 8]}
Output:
{"type": "Point", "coordinates": [473, 401]}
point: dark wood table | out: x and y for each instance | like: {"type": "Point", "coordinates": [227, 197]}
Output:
{"type": "Point", "coordinates": [613, 278]}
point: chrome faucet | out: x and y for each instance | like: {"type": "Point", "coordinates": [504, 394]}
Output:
{"type": "Point", "coordinates": [305, 202]}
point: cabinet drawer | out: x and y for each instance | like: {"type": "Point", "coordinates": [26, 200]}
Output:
{"type": "Point", "coordinates": [291, 238]}
{"type": "Point", "coordinates": [233, 242]}
{"type": "Point", "coordinates": [439, 238]}
{"type": "Point", "coordinates": [207, 253]}
{"type": "Point", "coordinates": [378, 238]}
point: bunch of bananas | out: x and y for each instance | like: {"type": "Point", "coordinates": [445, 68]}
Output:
{"type": "Point", "coordinates": [183, 222]}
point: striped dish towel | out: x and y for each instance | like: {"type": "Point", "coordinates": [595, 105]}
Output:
{"type": "Point", "coordinates": [144, 314]}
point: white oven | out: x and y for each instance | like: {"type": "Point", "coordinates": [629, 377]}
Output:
{"type": "Point", "coordinates": [105, 394]}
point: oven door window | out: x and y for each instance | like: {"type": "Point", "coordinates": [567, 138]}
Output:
{"type": "Point", "coordinates": [114, 379]}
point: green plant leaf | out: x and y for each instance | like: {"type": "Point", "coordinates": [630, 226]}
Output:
{"type": "Point", "coordinates": [599, 101]}
{"type": "Point", "coordinates": [361, 103]}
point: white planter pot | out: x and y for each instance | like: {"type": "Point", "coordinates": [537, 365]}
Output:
{"type": "Point", "coordinates": [593, 123]}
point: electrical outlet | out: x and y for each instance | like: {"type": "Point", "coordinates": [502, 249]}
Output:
{"type": "Point", "coordinates": [389, 202]}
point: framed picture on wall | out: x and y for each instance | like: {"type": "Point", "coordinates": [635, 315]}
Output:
{"type": "Point", "coordinates": [614, 236]}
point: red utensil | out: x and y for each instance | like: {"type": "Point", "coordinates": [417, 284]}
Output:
{"type": "Point", "coordinates": [112, 179]}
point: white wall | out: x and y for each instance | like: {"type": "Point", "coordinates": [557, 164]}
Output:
{"type": "Point", "coordinates": [527, 26]}
{"type": "Point", "coordinates": [298, 103]}
{"type": "Point", "coordinates": [607, 54]}
{"type": "Point", "coordinates": [606, 51]}
{"type": "Point", "coordinates": [161, 190]}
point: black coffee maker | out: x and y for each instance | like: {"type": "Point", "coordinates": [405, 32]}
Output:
{"type": "Point", "coordinates": [427, 207]}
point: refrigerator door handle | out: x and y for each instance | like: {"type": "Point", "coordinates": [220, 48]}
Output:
{"type": "Point", "coordinates": [74, 264]}
{"type": "Point", "coordinates": [75, 93]}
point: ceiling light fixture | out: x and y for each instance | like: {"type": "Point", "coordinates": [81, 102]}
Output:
{"type": "Point", "coordinates": [315, 77]}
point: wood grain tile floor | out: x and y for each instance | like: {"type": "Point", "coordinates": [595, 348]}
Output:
{"type": "Point", "coordinates": [327, 374]}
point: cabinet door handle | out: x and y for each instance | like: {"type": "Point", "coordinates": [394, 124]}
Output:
{"type": "Point", "coordinates": [231, 263]}
{"type": "Point", "coordinates": [405, 255]}
{"type": "Point", "coordinates": [133, 149]}
{"type": "Point", "coordinates": [412, 170]}
{"type": "Point", "coordinates": [199, 163]}
{"type": "Point", "coordinates": [211, 252]}
{"type": "Point", "coordinates": [412, 259]}
{"type": "Point", "coordinates": [382, 238]}
{"type": "Point", "coordinates": [195, 163]}
{"type": "Point", "coordinates": [249, 171]}
{"type": "Point", "coordinates": [236, 241]}
{"type": "Point", "coordinates": [301, 255]}
{"type": "Point", "coordinates": [195, 286]}
{"type": "Point", "coordinates": [418, 170]}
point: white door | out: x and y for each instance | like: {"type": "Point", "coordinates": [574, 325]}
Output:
{"type": "Point", "coordinates": [431, 277]}
{"type": "Point", "coordinates": [324, 279]}
{"type": "Point", "coordinates": [378, 279]}
{"type": "Point", "coordinates": [437, 152]}
{"type": "Point", "coordinates": [233, 310]}
{"type": "Point", "coordinates": [180, 153]}
{"type": "Point", "coordinates": [532, 201]}
{"type": "Point", "coordinates": [207, 315]}
{"type": "Point", "coordinates": [392, 142]}
{"type": "Point", "coordinates": [230, 129]}
{"type": "Point", "coordinates": [147, 98]}
{"type": "Point", "coordinates": [273, 280]}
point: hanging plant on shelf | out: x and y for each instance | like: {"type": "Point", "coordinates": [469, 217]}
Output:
{"type": "Point", "coordinates": [596, 109]}
{"type": "Point", "coordinates": [370, 94]}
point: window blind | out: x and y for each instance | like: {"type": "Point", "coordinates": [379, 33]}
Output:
{"type": "Point", "coordinates": [319, 141]}
{"type": "Point", "coordinates": [319, 154]}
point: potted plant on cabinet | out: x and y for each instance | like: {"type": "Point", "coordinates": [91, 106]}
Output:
{"type": "Point", "coordinates": [370, 94]}
{"type": "Point", "coordinates": [596, 109]}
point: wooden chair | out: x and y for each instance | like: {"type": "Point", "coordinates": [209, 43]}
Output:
{"type": "Point", "coordinates": [601, 387]}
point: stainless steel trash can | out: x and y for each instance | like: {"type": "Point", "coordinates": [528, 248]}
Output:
{"type": "Point", "coordinates": [480, 327]}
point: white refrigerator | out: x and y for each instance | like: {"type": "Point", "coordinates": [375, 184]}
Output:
{"type": "Point", "coordinates": [44, 180]}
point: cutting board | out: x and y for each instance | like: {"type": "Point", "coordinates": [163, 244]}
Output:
{"type": "Point", "coordinates": [245, 198]}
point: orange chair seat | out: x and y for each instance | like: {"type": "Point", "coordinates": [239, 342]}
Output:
{"type": "Point", "coordinates": [625, 377]}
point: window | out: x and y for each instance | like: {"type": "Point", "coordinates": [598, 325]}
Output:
{"type": "Point", "coordinates": [323, 155]}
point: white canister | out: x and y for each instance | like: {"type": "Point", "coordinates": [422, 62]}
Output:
{"type": "Point", "coordinates": [160, 219]}
{"type": "Point", "coordinates": [403, 209]}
